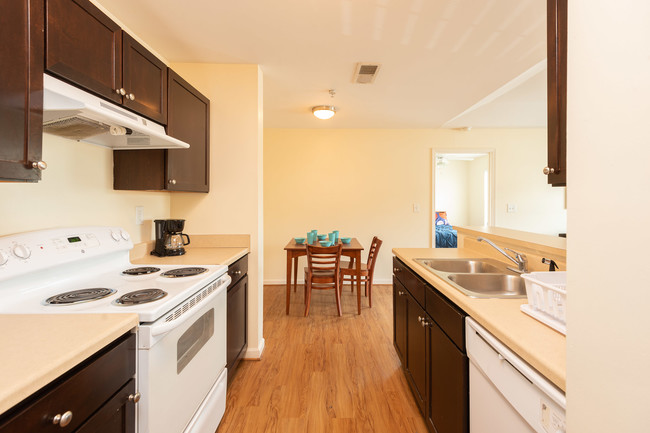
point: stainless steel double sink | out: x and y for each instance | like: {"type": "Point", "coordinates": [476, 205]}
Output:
{"type": "Point", "coordinates": [478, 278]}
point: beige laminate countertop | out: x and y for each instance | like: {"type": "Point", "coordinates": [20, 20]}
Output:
{"type": "Point", "coordinates": [36, 349]}
{"type": "Point", "coordinates": [196, 256]}
{"type": "Point", "coordinates": [540, 346]}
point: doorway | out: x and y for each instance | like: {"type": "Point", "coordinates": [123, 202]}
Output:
{"type": "Point", "coordinates": [463, 188]}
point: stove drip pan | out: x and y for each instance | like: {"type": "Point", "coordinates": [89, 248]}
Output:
{"type": "Point", "coordinates": [79, 296]}
{"type": "Point", "coordinates": [141, 297]}
{"type": "Point", "coordinates": [183, 272]}
{"type": "Point", "coordinates": [143, 270]}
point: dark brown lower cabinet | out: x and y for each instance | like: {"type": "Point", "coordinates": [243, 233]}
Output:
{"type": "Point", "coordinates": [237, 315]}
{"type": "Point", "coordinates": [400, 312]}
{"type": "Point", "coordinates": [416, 355]}
{"type": "Point", "coordinates": [429, 340]}
{"type": "Point", "coordinates": [116, 416]}
{"type": "Point", "coordinates": [97, 395]}
{"type": "Point", "coordinates": [448, 383]}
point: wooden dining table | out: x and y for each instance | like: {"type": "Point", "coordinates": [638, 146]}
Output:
{"type": "Point", "coordinates": [294, 251]}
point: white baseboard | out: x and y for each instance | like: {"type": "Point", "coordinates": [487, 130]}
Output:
{"type": "Point", "coordinates": [275, 282]}
{"type": "Point", "coordinates": [253, 353]}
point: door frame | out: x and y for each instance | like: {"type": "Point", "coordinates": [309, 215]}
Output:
{"type": "Point", "coordinates": [491, 152]}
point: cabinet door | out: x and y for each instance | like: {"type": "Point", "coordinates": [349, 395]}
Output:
{"type": "Point", "coordinates": [117, 415]}
{"type": "Point", "coordinates": [21, 89]}
{"type": "Point", "coordinates": [400, 310]}
{"type": "Point", "coordinates": [447, 384]}
{"type": "Point", "coordinates": [416, 350]}
{"type": "Point", "coordinates": [84, 46]}
{"type": "Point", "coordinates": [139, 170]}
{"type": "Point", "coordinates": [144, 80]}
{"type": "Point", "coordinates": [188, 120]}
{"type": "Point", "coordinates": [556, 46]}
{"type": "Point", "coordinates": [237, 318]}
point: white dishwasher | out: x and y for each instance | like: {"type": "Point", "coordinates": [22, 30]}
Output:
{"type": "Point", "coordinates": [506, 395]}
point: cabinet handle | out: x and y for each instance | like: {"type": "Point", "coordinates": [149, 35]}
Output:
{"type": "Point", "coordinates": [401, 293]}
{"type": "Point", "coordinates": [395, 270]}
{"type": "Point", "coordinates": [548, 170]}
{"type": "Point", "coordinates": [62, 420]}
{"type": "Point", "coordinates": [420, 319]}
{"type": "Point", "coordinates": [131, 96]}
{"type": "Point", "coordinates": [134, 397]}
{"type": "Point", "coordinates": [172, 181]}
{"type": "Point", "coordinates": [424, 323]}
{"type": "Point", "coordinates": [120, 91]}
{"type": "Point", "coordinates": [236, 272]}
{"type": "Point", "coordinates": [39, 165]}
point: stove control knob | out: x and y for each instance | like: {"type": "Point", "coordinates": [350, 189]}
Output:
{"type": "Point", "coordinates": [124, 235]}
{"type": "Point", "coordinates": [22, 251]}
{"type": "Point", "coordinates": [115, 236]}
{"type": "Point", "coordinates": [3, 258]}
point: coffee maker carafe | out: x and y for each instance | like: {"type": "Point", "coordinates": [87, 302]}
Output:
{"type": "Point", "coordinates": [170, 238]}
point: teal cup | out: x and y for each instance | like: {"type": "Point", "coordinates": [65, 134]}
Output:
{"type": "Point", "coordinates": [336, 235]}
{"type": "Point", "coordinates": [310, 237]}
{"type": "Point", "coordinates": [332, 237]}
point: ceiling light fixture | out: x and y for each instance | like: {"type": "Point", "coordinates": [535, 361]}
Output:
{"type": "Point", "coordinates": [325, 112]}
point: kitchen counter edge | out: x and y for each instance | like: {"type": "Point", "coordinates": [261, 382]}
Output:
{"type": "Point", "coordinates": [540, 346]}
{"type": "Point", "coordinates": [37, 349]}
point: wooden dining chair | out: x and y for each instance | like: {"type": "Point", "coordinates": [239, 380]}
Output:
{"type": "Point", "coordinates": [348, 269]}
{"type": "Point", "coordinates": [322, 272]}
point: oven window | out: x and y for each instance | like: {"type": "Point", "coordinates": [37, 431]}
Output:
{"type": "Point", "coordinates": [194, 339]}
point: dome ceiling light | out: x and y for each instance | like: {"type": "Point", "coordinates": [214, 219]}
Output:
{"type": "Point", "coordinates": [325, 112]}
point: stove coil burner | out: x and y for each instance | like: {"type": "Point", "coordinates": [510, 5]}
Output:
{"type": "Point", "coordinates": [78, 296]}
{"type": "Point", "coordinates": [143, 270]}
{"type": "Point", "coordinates": [183, 272]}
{"type": "Point", "coordinates": [141, 297]}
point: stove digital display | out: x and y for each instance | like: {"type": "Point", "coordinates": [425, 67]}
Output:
{"type": "Point", "coordinates": [74, 239]}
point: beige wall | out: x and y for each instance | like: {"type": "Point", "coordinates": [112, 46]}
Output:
{"type": "Point", "coordinates": [365, 182]}
{"type": "Point", "coordinates": [476, 205]}
{"type": "Point", "coordinates": [77, 189]}
{"type": "Point", "coordinates": [234, 204]}
{"type": "Point", "coordinates": [452, 191]}
{"type": "Point", "coordinates": [608, 340]}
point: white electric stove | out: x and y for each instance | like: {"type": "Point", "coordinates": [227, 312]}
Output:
{"type": "Point", "coordinates": [181, 373]}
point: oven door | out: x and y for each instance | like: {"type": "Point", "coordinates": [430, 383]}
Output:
{"type": "Point", "coordinates": [181, 359]}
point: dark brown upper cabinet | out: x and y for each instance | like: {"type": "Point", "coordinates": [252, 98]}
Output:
{"type": "Point", "coordinates": [21, 90]}
{"type": "Point", "coordinates": [174, 169]}
{"type": "Point", "coordinates": [556, 46]}
{"type": "Point", "coordinates": [144, 80]}
{"type": "Point", "coordinates": [85, 47]}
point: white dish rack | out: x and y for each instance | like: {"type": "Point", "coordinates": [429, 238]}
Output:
{"type": "Point", "coordinates": [546, 293]}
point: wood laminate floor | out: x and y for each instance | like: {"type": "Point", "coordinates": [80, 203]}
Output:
{"type": "Point", "coordinates": [323, 373]}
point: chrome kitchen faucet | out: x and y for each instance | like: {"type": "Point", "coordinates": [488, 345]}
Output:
{"type": "Point", "coordinates": [519, 259]}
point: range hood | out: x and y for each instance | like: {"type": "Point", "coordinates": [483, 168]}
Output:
{"type": "Point", "coordinates": [73, 113]}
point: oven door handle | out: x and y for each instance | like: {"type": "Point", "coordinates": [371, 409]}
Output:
{"type": "Point", "coordinates": [165, 327]}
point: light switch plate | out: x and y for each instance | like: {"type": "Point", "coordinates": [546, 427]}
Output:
{"type": "Point", "coordinates": [512, 208]}
{"type": "Point", "coordinates": [139, 215]}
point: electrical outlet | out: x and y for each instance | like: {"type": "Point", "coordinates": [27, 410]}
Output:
{"type": "Point", "coordinates": [512, 208]}
{"type": "Point", "coordinates": [416, 207]}
{"type": "Point", "coordinates": [139, 215]}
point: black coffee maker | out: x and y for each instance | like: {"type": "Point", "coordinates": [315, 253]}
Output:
{"type": "Point", "coordinates": [169, 238]}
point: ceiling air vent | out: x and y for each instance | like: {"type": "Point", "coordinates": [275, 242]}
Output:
{"type": "Point", "coordinates": [365, 73]}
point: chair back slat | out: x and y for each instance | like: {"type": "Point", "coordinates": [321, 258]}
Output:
{"type": "Point", "coordinates": [372, 253]}
{"type": "Point", "coordinates": [323, 259]}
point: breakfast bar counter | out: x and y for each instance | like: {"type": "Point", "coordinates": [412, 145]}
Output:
{"type": "Point", "coordinates": [540, 346]}
{"type": "Point", "coordinates": [36, 349]}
